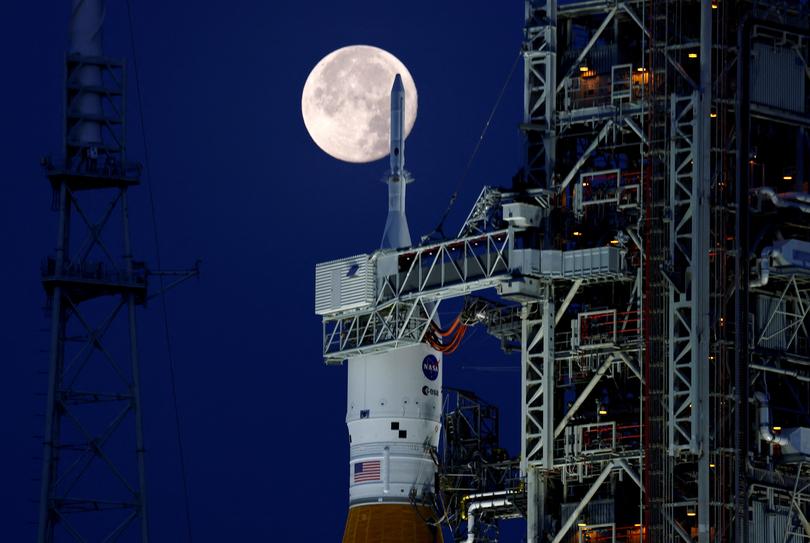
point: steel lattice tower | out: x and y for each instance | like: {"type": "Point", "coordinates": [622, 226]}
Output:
{"type": "Point", "coordinates": [651, 264]}
{"type": "Point", "coordinates": [93, 480]}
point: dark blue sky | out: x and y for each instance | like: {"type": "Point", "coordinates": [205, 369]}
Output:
{"type": "Point", "coordinates": [239, 184]}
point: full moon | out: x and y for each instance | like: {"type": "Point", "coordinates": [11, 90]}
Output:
{"type": "Point", "coordinates": [346, 102]}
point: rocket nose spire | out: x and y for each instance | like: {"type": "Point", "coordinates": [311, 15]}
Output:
{"type": "Point", "coordinates": [397, 150]}
{"type": "Point", "coordinates": [397, 84]}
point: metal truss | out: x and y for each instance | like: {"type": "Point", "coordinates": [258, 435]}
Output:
{"type": "Point", "coordinates": [785, 327]}
{"type": "Point", "coordinates": [688, 349]}
{"type": "Point", "coordinates": [473, 466]}
{"type": "Point", "coordinates": [688, 291]}
{"type": "Point", "coordinates": [540, 99]}
{"type": "Point", "coordinates": [389, 326]}
{"type": "Point", "coordinates": [610, 467]}
{"type": "Point", "coordinates": [537, 405]}
{"type": "Point", "coordinates": [537, 368]}
{"type": "Point", "coordinates": [93, 395]}
{"type": "Point", "coordinates": [90, 382]}
{"type": "Point", "coordinates": [444, 269]}
{"type": "Point", "coordinates": [480, 218]}
{"type": "Point", "coordinates": [411, 284]}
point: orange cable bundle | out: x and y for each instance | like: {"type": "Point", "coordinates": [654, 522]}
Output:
{"type": "Point", "coordinates": [456, 332]}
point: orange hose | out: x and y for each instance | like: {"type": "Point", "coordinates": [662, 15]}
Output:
{"type": "Point", "coordinates": [450, 330]}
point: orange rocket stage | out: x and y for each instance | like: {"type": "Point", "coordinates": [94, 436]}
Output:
{"type": "Point", "coordinates": [391, 523]}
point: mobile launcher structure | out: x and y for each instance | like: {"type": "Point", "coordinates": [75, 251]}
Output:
{"type": "Point", "coordinates": [652, 267]}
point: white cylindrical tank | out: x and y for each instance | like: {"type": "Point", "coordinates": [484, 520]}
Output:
{"type": "Point", "coordinates": [394, 419]}
{"type": "Point", "coordinates": [86, 24]}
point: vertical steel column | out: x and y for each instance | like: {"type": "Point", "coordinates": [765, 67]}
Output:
{"type": "Point", "coordinates": [537, 428]}
{"type": "Point", "coordinates": [530, 430]}
{"type": "Point", "coordinates": [741, 279]}
{"type": "Point", "coordinates": [51, 434]}
{"type": "Point", "coordinates": [700, 271]}
{"type": "Point", "coordinates": [547, 328]}
{"type": "Point", "coordinates": [550, 135]}
{"type": "Point", "coordinates": [548, 376]}
{"type": "Point", "coordinates": [135, 390]}
{"type": "Point", "coordinates": [535, 483]}
{"type": "Point", "coordinates": [540, 96]}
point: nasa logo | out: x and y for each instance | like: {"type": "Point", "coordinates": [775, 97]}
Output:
{"type": "Point", "coordinates": [430, 367]}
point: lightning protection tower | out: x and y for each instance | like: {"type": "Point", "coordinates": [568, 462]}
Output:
{"type": "Point", "coordinates": [93, 480]}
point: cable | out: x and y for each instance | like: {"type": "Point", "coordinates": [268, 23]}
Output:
{"type": "Point", "coordinates": [453, 197]}
{"type": "Point", "coordinates": [159, 265]}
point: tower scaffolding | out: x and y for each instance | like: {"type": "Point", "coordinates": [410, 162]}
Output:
{"type": "Point", "coordinates": [93, 485]}
{"type": "Point", "coordinates": [654, 407]}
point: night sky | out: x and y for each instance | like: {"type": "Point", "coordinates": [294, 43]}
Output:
{"type": "Point", "coordinates": [240, 185]}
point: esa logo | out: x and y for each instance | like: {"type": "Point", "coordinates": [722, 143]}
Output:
{"type": "Point", "coordinates": [427, 391]}
{"type": "Point", "coordinates": [430, 367]}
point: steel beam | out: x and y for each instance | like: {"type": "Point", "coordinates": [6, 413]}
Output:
{"type": "Point", "coordinates": [586, 499]}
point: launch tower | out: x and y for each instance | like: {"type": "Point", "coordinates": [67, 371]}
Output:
{"type": "Point", "coordinates": [652, 266]}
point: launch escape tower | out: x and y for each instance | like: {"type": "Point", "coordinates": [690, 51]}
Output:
{"type": "Point", "coordinates": [93, 480]}
{"type": "Point", "coordinates": [651, 263]}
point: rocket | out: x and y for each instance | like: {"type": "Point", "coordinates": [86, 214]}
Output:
{"type": "Point", "coordinates": [396, 234]}
{"type": "Point", "coordinates": [397, 141]}
{"type": "Point", "coordinates": [394, 406]}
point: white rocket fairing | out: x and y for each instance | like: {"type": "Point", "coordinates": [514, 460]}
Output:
{"type": "Point", "coordinates": [394, 407]}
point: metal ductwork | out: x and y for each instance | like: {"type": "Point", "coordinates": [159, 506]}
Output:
{"type": "Point", "coordinates": [476, 506]}
{"type": "Point", "coordinates": [794, 200]}
{"type": "Point", "coordinates": [765, 431]}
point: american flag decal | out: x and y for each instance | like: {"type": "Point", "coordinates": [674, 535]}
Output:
{"type": "Point", "coordinates": [367, 471]}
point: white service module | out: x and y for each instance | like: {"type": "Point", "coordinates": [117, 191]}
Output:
{"type": "Point", "coordinates": [393, 414]}
{"type": "Point", "coordinates": [344, 284]}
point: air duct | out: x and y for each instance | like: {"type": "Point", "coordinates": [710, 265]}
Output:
{"type": "Point", "coordinates": [765, 431]}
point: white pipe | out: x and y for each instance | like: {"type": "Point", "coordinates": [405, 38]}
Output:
{"type": "Point", "coordinates": [780, 371]}
{"type": "Point", "coordinates": [765, 421]}
{"type": "Point", "coordinates": [493, 494]}
{"type": "Point", "coordinates": [798, 196]}
{"type": "Point", "coordinates": [763, 267]}
{"type": "Point", "coordinates": [475, 506]}
{"type": "Point", "coordinates": [790, 199]}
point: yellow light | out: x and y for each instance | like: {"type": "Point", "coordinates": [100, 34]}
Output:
{"type": "Point", "coordinates": [691, 513]}
{"type": "Point", "coordinates": [603, 411]}
{"type": "Point", "coordinates": [614, 242]}
{"type": "Point", "coordinates": [583, 69]}
{"type": "Point", "coordinates": [577, 233]}
{"type": "Point", "coordinates": [787, 177]}
{"type": "Point", "coordinates": [714, 5]}
{"type": "Point", "coordinates": [641, 69]}
{"type": "Point", "coordinates": [637, 525]}
{"type": "Point", "coordinates": [713, 115]}
{"type": "Point", "coordinates": [711, 465]}
{"type": "Point", "coordinates": [582, 524]}
{"type": "Point", "coordinates": [777, 428]}
{"type": "Point", "coordinates": [692, 55]}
